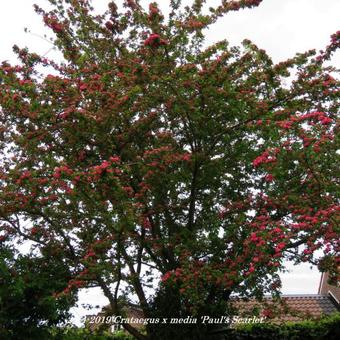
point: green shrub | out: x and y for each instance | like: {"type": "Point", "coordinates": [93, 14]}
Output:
{"type": "Point", "coordinates": [73, 333]}
{"type": "Point", "coordinates": [325, 328]}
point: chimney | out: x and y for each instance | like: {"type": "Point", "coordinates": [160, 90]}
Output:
{"type": "Point", "coordinates": [327, 289]}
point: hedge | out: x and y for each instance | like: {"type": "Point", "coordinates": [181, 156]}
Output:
{"type": "Point", "coordinates": [73, 333]}
{"type": "Point", "coordinates": [325, 328]}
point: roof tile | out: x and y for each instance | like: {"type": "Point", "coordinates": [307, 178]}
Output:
{"type": "Point", "coordinates": [291, 308]}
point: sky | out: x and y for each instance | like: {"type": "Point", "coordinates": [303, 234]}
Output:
{"type": "Point", "coordinates": [281, 27]}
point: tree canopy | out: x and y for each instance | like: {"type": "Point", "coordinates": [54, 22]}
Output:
{"type": "Point", "coordinates": [163, 170]}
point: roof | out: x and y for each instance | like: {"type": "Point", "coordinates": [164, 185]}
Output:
{"type": "Point", "coordinates": [289, 308]}
{"type": "Point", "coordinates": [104, 317]}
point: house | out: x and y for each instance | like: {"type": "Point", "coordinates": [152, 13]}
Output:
{"type": "Point", "coordinates": [290, 307]}
{"type": "Point", "coordinates": [329, 290]}
{"type": "Point", "coordinates": [131, 314]}
{"type": "Point", "coordinates": [295, 307]}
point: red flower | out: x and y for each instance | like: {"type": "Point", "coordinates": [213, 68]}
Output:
{"type": "Point", "coordinates": [105, 165]}
{"type": "Point", "coordinates": [178, 272]}
{"type": "Point", "coordinates": [279, 247]}
{"type": "Point", "coordinates": [285, 124]}
{"type": "Point", "coordinates": [269, 178]}
{"type": "Point", "coordinates": [82, 87]}
{"type": "Point", "coordinates": [253, 237]}
{"type": "Point", "coordinates": [326, 121]}
{"type": "Point", "coordinates": [109, 25]}
{"type": "Point", "coordinates": [90, 253]}
{"type": "Point", "coordinates": [186, 157]}
{"type": "Point", "coordinates": [251, 269]}
{"type": "Point", "coordinates": [34, 230]}
{"type": "Point", "coordinates": [53, 23]}
{"type": "Point", "coordinates": [277, 230]}
{"type": "Point", "coordinates": [146, 223]}
{"type": "Point", "coordinates": [115, 159]}
{"type": "Point", "coordinates": [166, 276]}
{"type": "Point", "coordinates": [153, 9]}
{"type": "Point", "coordinates": [264, 158]}
{"type": "Point", "coordinates": [154, 40]}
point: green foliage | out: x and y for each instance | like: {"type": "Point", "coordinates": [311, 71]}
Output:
{"type": "Point", "coordinates": [73, 333]}
{"type": "Point", "coordinates": [27, 304]}
{"type": "Point", "coordinates": [327, 327]}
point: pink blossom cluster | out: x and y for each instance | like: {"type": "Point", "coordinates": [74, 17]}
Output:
{"type": "Point", "coordinates": [154, 40]}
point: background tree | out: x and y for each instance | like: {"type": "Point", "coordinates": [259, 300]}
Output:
{"type": "Point", "coordinates": [145, 155]}
{"type": "Point", "coordinates": [27, 305]}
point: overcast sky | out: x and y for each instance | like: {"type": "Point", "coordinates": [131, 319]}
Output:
{"type": "Point", "coordinates": [281, 27]}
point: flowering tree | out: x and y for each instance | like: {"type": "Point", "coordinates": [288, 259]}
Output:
{"type": "Point", "coordinates": [145, 159]}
